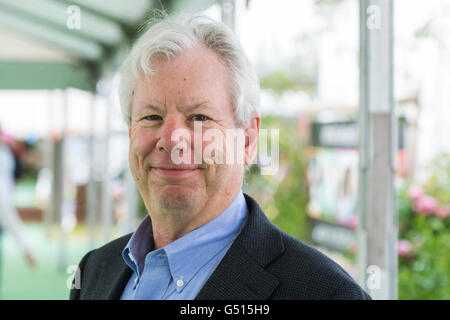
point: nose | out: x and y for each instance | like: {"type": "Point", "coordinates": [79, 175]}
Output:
{"type": "Point", "coordinates": [174, 136]}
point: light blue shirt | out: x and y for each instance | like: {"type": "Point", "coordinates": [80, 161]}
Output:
{"type": "Point", "coordinates": [179, 270]}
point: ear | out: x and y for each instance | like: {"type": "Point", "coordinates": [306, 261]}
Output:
{"type": "Point", "coordinates": [251, 139]}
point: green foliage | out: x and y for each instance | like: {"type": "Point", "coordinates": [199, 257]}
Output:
{"type": "Point", "coordinates": [282, 81]}
{"type": "Point", "coordinates": [283, 196]}
{"type": "Point", "coordinates": [438, 184]}
{"type": "Point", "coordinates": [423, 32]}
{"type": "Point", "coordinates": [327, 2]}
{"type": "Point", "coordinates": [424, 271]}
{"type": "Point", "coordinates": [278, 82]}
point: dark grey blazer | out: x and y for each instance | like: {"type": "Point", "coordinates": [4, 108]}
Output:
{"type": "Point", "coordinates": [262, 263]}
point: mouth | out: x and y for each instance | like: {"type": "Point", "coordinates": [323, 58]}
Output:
{"type": "Point", "coordinates": [176, 172]}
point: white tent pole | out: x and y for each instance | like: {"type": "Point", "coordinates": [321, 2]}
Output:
{"type": "Point", "coordinates": [60, 184]}
{"type": "Point", "coordinates": [107, 209]}
{"type": "Point", "coordinates": [377, 230]}
{"type": "Point", "coordinates": [48, 148]}
{"type": "Point", "coordinates": [131, 195]}
{"type": "Point", "coordinates": [91, 199]}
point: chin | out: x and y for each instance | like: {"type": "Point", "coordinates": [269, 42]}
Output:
{"type": "Point", "coordinates": [175, 197]}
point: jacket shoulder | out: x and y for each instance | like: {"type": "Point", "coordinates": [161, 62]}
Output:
{"type": "Point", "coordinates": [91, 264]}
{"type": "Point", "coordinates": [306, 273]}
{"type": "Point", "coordinates": [110, 249]}
{"type": "Point", "coordinates": [109, 252]}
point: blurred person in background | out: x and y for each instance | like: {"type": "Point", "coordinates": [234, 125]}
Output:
{"type": "Point", "coordinates": [9, 217]}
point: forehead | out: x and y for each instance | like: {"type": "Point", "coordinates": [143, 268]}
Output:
{"type": "Point", "coordinates": [194, 75]}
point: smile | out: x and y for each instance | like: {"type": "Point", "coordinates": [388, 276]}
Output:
{"type": "Point", "coordinates": [176, 173]}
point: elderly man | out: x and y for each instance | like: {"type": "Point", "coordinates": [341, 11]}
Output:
{"type": "Point", "coordinates": [202, 238]}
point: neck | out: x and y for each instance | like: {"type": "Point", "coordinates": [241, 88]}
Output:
{"type": "Point", "coordinates": [169, 225]}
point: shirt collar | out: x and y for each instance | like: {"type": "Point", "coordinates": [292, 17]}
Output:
{"type": "Point", "coordinates": [140, 243]}
{"type": "Point", "coordinates": [188, 254]}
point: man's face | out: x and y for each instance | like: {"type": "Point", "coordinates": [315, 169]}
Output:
{"type": "Point", "coordinates": [193, 87]}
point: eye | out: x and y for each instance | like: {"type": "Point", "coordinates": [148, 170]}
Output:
{"type": "Point", "coordinates": [199, 117]}
{"type": "Point", "coordinates": [152, 117]}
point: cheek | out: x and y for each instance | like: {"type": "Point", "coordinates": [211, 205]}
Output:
{"type": "Point", "coordinates": [221, 177]}
{"type": "Point", "coordinates": [141, 142]}
{"type": "Point", "coordinates": [213, 147]}
{"type": "Point", "coordinates": [212, 152]}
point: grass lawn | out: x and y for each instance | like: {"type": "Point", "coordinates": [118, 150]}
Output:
{"type": "Point", "coordinates": [48, 279]}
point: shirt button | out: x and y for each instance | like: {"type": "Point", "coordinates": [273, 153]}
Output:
{"type": "Point", "coordinates": [131, 257]}
{"type": "Point", "coordinates": [180, 283]}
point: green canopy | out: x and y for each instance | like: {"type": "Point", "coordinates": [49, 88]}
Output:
{"type": "Point", "coordinates": [49, 44]}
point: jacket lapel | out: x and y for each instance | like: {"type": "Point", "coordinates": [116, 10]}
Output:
{"type": "Point", "coordinates": [241, 274]}
{"type": "Point", "coordinates": [117, 283]}
{"type": "Point", "coordinates": [113, 276]}
{"type": "Point", "coordinates": [238, 277]}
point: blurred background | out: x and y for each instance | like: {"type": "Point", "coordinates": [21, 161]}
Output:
{"type": "Point", "coordinates": [64, 143]}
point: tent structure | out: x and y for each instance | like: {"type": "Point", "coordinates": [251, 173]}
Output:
{"type": "Point", "coordinates": [51, 44]}
{"type": "Point", "coordinates": [60, 44]}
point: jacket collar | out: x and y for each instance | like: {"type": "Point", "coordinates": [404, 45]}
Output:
{"type": "Point", "coordinates": [240, 275]}
{"type": "Point", "coordinates": [114, 274]}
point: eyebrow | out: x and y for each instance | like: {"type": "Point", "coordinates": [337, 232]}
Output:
{"type": "Point", "coordinates": [155, 108]}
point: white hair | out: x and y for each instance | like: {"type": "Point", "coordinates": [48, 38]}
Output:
{"type": "Point", "coordinates": [172, 35]}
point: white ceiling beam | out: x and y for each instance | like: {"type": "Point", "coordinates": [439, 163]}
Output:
{"type": "Point", "coordinates": [124, 11]}
{"type": "Point", "coordinates": [90, 24]}
{"type": "Point", "coordinates": [73, 44]}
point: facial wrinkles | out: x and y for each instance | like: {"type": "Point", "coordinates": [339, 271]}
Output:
{"type": "Point", "coordinates": [144, 146]}
{"type": "Point", "coordinates": [173, 89]}
{"type": "Point", "coordinates": [136, 157]}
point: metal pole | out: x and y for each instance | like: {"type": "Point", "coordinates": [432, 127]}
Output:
{"type": "Point", "coordinates": [48, 163]}
{"type": "Point", "coordinates": [1, 230]}
{"type": "Point", "coordinates": [377, 230]}
{"type": "Point", "coordinates": [59, 184]}
{"type": "Point", "coordinates": [91, 198]}
{"type": "Point", "coordinates": [51, 216]}
{"type": "Point", "coordinates": [47, 150]}
{"type": "Point", "coordinates": [107, 214]}
{"type": "Point", "coordinates": [131, 195]}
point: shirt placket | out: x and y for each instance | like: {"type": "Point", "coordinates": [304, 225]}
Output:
{"type": "Point", "coordinates": [155, 278]}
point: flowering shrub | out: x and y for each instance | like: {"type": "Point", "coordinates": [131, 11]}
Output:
{"type": "Point", "coordinates": [424, 235]}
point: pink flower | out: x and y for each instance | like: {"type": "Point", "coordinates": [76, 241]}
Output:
{"type": "Point", "coordinates": [426, 204]}
{"type": "Point", "coordinates": [442, 212]}
{"type": "Point", "coordinates": [415, 193]}
{"type": "Point", "coordinates": [353, 223]}
{"type": "Point", "coordinates": [403, 248]}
